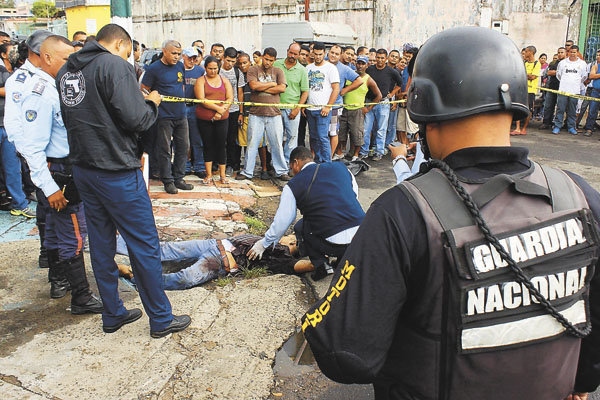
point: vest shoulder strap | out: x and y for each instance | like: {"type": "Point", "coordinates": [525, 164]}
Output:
{"type": "Point", "coordinates": [561, 188]}
{"type": "Point", "coordinates": [452, 213]}
{"type": "Point", "coordinates": [443, 199]}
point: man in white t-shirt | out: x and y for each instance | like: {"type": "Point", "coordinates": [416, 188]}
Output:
{"type": "Point", "coordinates": [571, 72]}
{"type": "Point", "coordinates": [324, 87]}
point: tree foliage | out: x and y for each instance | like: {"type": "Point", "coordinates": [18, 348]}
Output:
{"type": "Point", "coordinates": [7, 3]}
{"type": "Point", "coordinates": [43, 9]}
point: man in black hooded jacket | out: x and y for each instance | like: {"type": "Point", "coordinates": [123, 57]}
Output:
{"type": "Point", "coordinates": [104, 113]}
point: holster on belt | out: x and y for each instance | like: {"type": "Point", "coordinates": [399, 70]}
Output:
{"type": "Point", "coordinates": [64, 180]}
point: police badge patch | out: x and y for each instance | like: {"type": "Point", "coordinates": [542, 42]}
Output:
{"type": "Point", "coordinates": [21, 77]}
{"type": "Point", "coordinates": [30, 115]}
{"type": "Point", "coordinates": [16, 97]}
{"type": "Point", "coordinates": [72, 88]}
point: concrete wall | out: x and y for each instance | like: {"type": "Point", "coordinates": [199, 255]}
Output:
{"type": "Point", "coordinates": [380, 23]}
{"type": "Point", "coordinates": [542, 23]}
{"type": "Point", "coordinates": [238, 22]}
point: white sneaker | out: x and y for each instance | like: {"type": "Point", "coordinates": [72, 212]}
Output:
{"type": "Point", "coordinates": [337, 157]}
{"type": "Point", "coordinates": [355, 158]}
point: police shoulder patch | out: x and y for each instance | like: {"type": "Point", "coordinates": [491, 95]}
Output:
{"type": "Point", "coordinates": [30, 115]}
{"type": "Point", "coordinates": [16, 97]}
{"type": "Point", "coordinates": [39, 87]}
{"type": "Point", "coordinates": [21, 77]}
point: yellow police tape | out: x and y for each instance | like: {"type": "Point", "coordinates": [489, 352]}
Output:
{"type": "Point", "coordinates": [281, 105]}
{"type": "Point", "coordinates": [577, 96]}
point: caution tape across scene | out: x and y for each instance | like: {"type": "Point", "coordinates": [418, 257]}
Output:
{"type": "Point", "coordinates": [174, 99]}
{"type": "Point", "coordinates": [280, 105]}
{"type": "Point", "coordinates": [577, 96]}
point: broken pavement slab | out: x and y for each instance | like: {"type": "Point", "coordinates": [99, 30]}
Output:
{"type": "Point", "coordinates": [206, 211]}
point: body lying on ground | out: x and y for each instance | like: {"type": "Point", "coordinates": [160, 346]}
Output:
{"type": "Point", "coordinates": [215, 258]}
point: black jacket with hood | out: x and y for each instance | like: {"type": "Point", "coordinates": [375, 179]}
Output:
{"type": "Point", "coordinates": [103, 109]}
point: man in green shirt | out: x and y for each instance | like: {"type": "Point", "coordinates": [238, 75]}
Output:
{"type": "Point", "coordinates": [353, 117]}
{"type": "Point", "coordinates": [295, 93]}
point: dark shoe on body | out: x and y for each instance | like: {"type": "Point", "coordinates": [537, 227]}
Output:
{"type": "Point", "coordinates": [132, 315]}
{"type": "Point", "coordinates": [284, 177]}
{"type": "Point", "coordinates": [179, 323]}
{"type": "Point", "coordinates": [321, 272]}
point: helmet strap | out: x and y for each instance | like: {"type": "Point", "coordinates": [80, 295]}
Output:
{"type": "Point", "coordinates": [423, 140]}
{"type": "Point", "coordinates": [505, 95]}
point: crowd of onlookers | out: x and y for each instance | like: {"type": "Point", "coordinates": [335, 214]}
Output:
{"type": "Point", "coordinates": [567, 73]}
{"type": "Point", "coordinates": [317, 93]}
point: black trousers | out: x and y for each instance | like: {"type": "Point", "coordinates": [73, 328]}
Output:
{"type": "Point", "coordinates": [315, 247]}
{"type": "Point", "coordinates": [549, 106]}
{"type": "Point", "coordinates": [302, 131]}
{"type": "Point", "coordinates": [214, 137]}
{"type": "Point", "coordinates": [234, 151]}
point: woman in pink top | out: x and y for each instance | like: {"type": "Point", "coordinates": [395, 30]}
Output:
{"type": "Point", "coordinates": [212, 117]}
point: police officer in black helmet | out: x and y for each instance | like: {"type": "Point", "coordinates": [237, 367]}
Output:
{"type": "Point", "coordinates": [475, 279]}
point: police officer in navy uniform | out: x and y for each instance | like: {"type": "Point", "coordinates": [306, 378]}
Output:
{"type": "Point", "coordinates": [12, 123]}
{"type": "Point", "coordinates": [474, 279]}
{"type": "Point", "coordinates": [104, 112]}
{"type": "Point", "coordinates": [327, 196]}
{"type": "Point", "coordinates": [44, 146]}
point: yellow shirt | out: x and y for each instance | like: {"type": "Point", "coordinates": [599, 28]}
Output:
{"type": "Point", "coordinates": [532, 68]}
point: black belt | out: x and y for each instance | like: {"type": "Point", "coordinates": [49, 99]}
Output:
{"type": "Point", "coordinates": [64, 160]}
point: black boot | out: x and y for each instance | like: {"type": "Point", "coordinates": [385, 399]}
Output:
{"type": "Point", "coordinates": [59, 285]}
{"type": "Point", "coordinates": [82, 299]}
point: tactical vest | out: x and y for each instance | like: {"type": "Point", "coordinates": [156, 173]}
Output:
{"type": "Point", "coordinates": [475, 331]}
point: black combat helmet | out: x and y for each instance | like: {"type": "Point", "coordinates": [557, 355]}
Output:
{"type": "Point", "coordinates": [466, 71]}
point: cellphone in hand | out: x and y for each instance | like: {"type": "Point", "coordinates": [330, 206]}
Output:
{"type": "Point", "coordinates": [396, 143]}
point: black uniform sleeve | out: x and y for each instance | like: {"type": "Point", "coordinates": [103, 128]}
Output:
{"type": "Point", "coordinates": [351, 329]}
{"type": "Point", "coordinates": [588, 370]}
{"type": "Point", "coordinates": [130, 110]}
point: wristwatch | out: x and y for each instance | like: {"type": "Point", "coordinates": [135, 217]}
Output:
{"type": "Point", "coordinates": [395, 160]}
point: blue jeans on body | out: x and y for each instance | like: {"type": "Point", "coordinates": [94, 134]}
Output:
{"type": "Point", "coordinates": [273, 127]}
{"type": "Point", "coordinates": [568, 105]}
{"type": "Point", "coordinates": [208, 264]}
{"type": "Point", "coordinates": [379, 116]}
{"type": "Point", "coordinates": [119, 200]}
{"type": "Point", "coordinates": [318, 127]}
{"type": "Point", "coordinates": [391, 128]}
{"type": "Point", "coordinates": [12, 172]}
{"type": "Point", "coordinates": [290, 133]}
{"type": "Point", "coordinates": [593, 110]}
{"type": "Point", "coordinates": [197, 162]}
